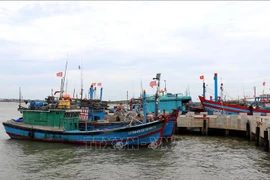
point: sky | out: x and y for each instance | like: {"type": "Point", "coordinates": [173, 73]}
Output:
{"type": "Point", "coordinates": [124, 45]}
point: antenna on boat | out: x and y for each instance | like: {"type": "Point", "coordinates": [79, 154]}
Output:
{"type": "Point", "coordinates": [157, 93]}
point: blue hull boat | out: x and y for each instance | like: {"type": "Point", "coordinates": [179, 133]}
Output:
{"type": "Point", "coordinates": [138, 135]}
{"type": "Point", "coordinates": [167, 133]}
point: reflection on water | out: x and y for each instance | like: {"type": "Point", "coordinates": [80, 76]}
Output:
{"type": "Point", "coordinates": [187, 157]}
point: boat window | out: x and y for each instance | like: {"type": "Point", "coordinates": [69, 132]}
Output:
{"type": "Point", "coordinates": [71, 114]}
{"type": "Point", "coordinates": [67, 115]}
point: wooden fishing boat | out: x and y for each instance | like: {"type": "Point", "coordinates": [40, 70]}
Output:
{"type": "Point", "coordinates": [219, 105]}
{"type": "Point", "coordinates": [46, 122]}
{"type": "Point", "coordinates": [211, 106]}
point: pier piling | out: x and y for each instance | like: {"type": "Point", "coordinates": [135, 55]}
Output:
{"type": "Point", "coordinates": [205, 126]}
{"type": "Point", "coordinates": [252, 127]}
{"type": "Point", "coordinates": [257, 136]}
{"type": "Point", "coordinates": [227, 132]}
{"type": "Point", "coordinates": [266, 141]}
{"type": "Point", "coordinates": [248, 130]}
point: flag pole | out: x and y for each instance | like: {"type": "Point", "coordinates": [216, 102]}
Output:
{"type": "Point", "coordinates": [202, 77]}
{"type": "Point", "coordinates": [263, 86]}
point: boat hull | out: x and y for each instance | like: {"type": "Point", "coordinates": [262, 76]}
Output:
{"type": "Point", "coordinates": [224, 108]}
{"type": "Point", "coordinates": [139, 135]}
{"type": "Point", "coordinates": [168, 129]}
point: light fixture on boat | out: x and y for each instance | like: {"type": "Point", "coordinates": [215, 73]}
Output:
{"type": "Point", "coordinates": [157, 77]}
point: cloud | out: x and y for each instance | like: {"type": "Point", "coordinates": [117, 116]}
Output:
{"type": "Point", "coordinates": [124, 45]}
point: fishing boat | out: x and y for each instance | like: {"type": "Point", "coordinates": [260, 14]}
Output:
{"type": "Point", "coordinates": [125, 117]}
{"type": "Point", "coordinates": [212, 106]}
{"type": "Point", "coordinates": [166, 101]}
{"type": "Point", "coordinates": [57, 120]}
{"type": "Point", "coordinates": [219, 105]}
{"type": "Point", "coordinates": [59, 123]}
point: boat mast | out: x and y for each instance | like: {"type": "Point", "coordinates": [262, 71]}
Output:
{"type": "Point", "coordinates": [204, 87]}
{"type": "Point", "coordinates": [221, 91]}
{"type": "Point", "coordinates": [73, 93]}
{"type": "Point", "coordinates": [216, 86]}
{"type": "Point", "coordinates": [127, 99]}
{"type": "Point", "coordinates": [63, 82]}
{"type": "Point", "coordinates": [157, 93]}
{"type": "Point", "coordinates": [80, 67]}
{"type": "Point", "coordinates": [144, 106]}
{"type": "Point", "coordinates": [66, 83]}
{"type": "Point", "coordinates": [20, 95]}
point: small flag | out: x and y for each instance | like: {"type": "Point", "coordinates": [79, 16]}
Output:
{"type": "Point", "coordinates": [152, 83]}
{"type": "Point", "coordinates": [79, 67]}
{"type": "Point", "coordinates": [263, 83]}
{"type": "Point", "coordinates": [60, 74]}
{"type": "Point", "coordinates": [202, 77]}
{"type": "Point", "coordinates": [99, 84]}
{"type": "Point", "coordinates": [93, 84]}
{"type": "Point", "coordinates": [165, 90]}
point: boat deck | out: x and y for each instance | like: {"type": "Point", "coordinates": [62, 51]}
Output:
{"type": "Point", "coordinates": [29, 126]}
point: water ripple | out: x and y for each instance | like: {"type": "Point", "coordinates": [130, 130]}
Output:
{"type": "Point", "coordinates": [188, 157]}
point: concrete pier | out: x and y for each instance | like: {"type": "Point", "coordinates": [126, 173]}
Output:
{"type": "Point", "coordinates": [242, 123]}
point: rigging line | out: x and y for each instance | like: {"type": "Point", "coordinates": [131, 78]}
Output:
{"type": "Point", "coordinates": [227, 94]}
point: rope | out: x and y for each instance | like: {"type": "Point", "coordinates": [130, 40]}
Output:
{"type": "Point", "coordinates": [130, 124]}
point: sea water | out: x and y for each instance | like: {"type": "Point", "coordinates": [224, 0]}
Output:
{"type": "Point", "coordinates": [186, 157]}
